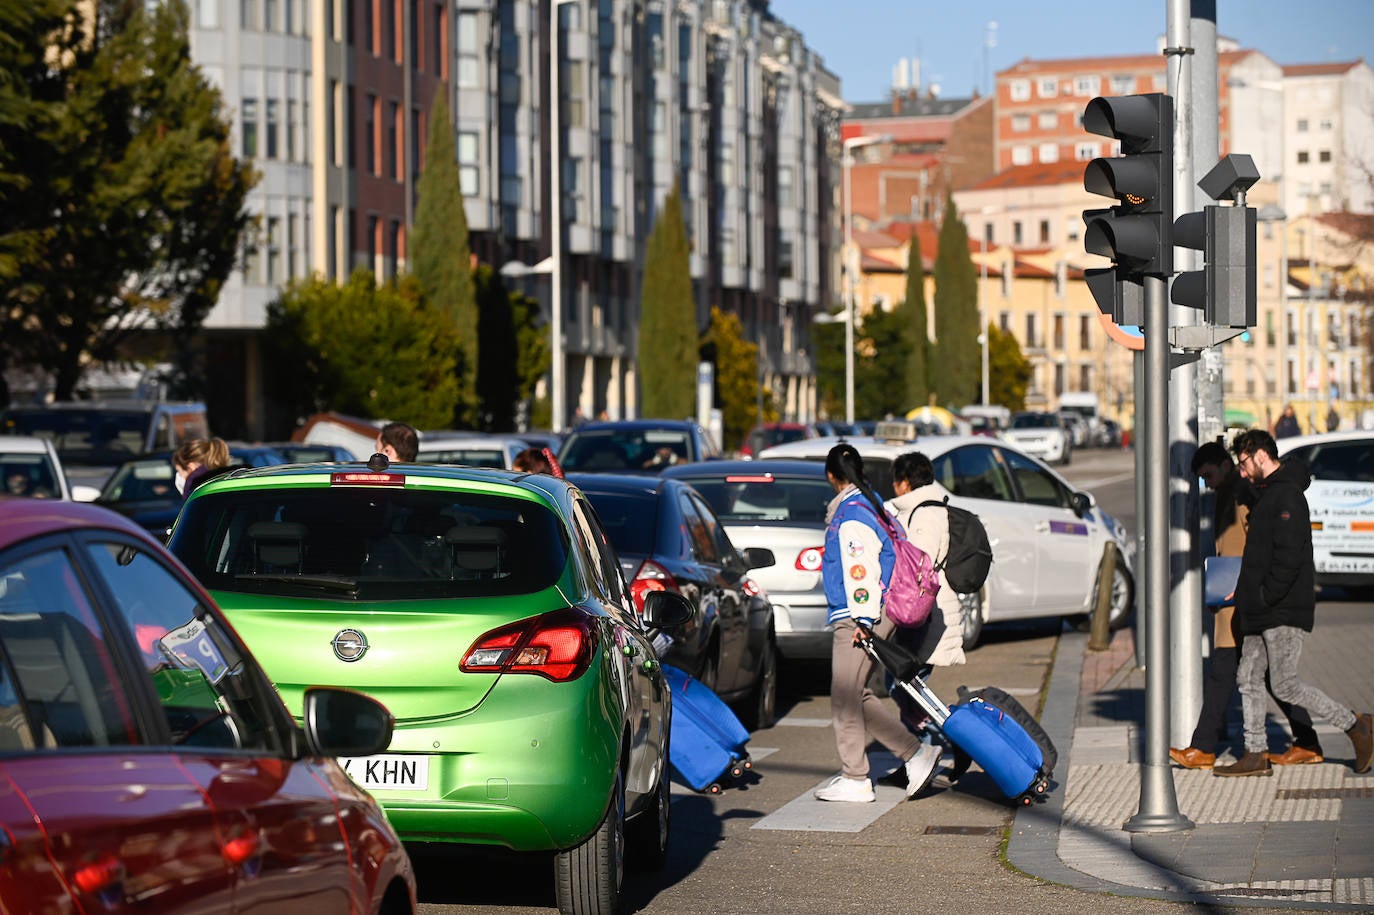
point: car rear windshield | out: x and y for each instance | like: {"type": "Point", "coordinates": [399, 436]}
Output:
{"type": "Point", "coordinates": [371, 543]}
{"type": "Point", "coordinates": [630, 520]}
{"type": "Point", "coordinates": [628, 449]}
{"type": "Point", "coordinates": [471, 457]}
{"type": "Point", "coordinates": [765, 499]}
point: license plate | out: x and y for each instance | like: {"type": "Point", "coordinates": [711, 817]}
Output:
{"type": "Point", "coordinates": [388, 771]}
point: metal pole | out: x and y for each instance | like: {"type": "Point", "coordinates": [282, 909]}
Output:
{"type": "Point", "coordinates": [848, 290]}
{"type": "Point", "coordinates": [983, 316]}
{"type": "Point", "coordinates": [556, 396]}
{"type": "Point", "coordinates": [1158, 810]}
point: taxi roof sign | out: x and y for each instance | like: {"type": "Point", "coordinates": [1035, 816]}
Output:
{"type": "Point", "coordinates": [895, 431]}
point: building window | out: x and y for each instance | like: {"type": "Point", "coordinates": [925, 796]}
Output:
{"type": "Point", "coordinates": [784, 187]}
{"type": "Point", "coordinates": [1058, 379]}
{"type": "Point", "coordinates": [393, 247]}
{"type": "Point", "coordinates": [293, 124]}
{"type": "Point", "coordinates": [1004, 321]}
{"type": "Point", "coordinates": [1058, 332]}
{"type": "Point", "coordinates": [207, 14]}
{"type": "Point", "coordinates": [574, 88]}
{"type": "Point", "coordinates": [1049, 120]}
{"type": "Point", "coordinates": [273, 250]}
{"type": "Point", "coordinates": [416, 141]}
{"type": "Point", "coordinates": [272, 128]}
{"type": "Point", "coordinates": [373, 242]}
{"type": "Point", "coordinates": [1087, 85]}
{"type": "Point", "coordinates": [1020, 155]}
{"type": "Point", "coordinates": [469, 52]}
{"type": "Point", "coordinates": [1324, 155]}
{"type": "Point", "coordinates": [1016, 233]}
{"type": "Point", "coordinates": [785, 255]}
{"type": "Point", "coordinates": [468, 171]}
{"type": "Point", "coordinates": [385, 35]}
{"type": "Point", "coordinates": [1123, 85]}
{"type": "Point", "coordinates": [1085, 152]}
{"type": "Point", "coordinates": [292, 240]}
{"type": "Point", "coordinates": [1303, 157]}
{"type": "Point", "coordinates": [370, 26]}
{"type": "Point", "coordinates": [1020, 123]}
{"type": "Point", "coordinates": [1044, 231]}
{"type": "Point", "coordinates": [1049, 152]}
{"type": "Point", "coordinates": [1030, 332]}
{"type": "Point", "coordinates": [573, 189]}
{"type": "Point", "coordinates": [1324, 125]}
{"type": "Point", "coordinates": [250, 128]}
{"type": "Point", "coordinates": [1302, 125]}
{"type": "Point", "coordinates": [1085, 378]}
{"type": "Point", "coordinates": [269, 15]}
{"type": "Point", "coordinates": [988, 235]}
{"type": "Point", "coordinates": [1020, 90]}
{"type": "Point", "coordinates": [1084, 335]}
{"type": "Point", "coordinates": [248, 15]}
{"type": "Point", "coordinates": [441, 40]}
{"type": "Point", "coordinates": [1047, 87]}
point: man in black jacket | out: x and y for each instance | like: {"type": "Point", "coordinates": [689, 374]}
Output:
{"type": "Point", "coordinates": [1275, 602]}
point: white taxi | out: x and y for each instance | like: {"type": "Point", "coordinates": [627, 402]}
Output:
{"type": "Point", "coordinates": [1048, 538]}
{"type": "Point", "coordinates": [1341, 499]}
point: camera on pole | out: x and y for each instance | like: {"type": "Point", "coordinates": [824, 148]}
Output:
{"type": "Point", "coordinates": [1136, 234]}
{"type": "Point", "coordinates": [1224, 289]}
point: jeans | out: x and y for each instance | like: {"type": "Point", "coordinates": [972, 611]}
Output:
{"type": "Point", "coordinates": [1278, 651]}
{"type": "Point", "coordinates": [1217, 687]}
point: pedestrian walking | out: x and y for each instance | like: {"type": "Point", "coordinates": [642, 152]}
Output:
{"type": "Point", "coordinates": [856, 568]}
{"type": "Point", "coordinates": [1276, 602]}
{"type": "Point", "coordinates": [1232, 495]}
{"type": "Point", "coordinates": [1333, 419]}
{"type": "Point", "coordinates": [1287, 424]}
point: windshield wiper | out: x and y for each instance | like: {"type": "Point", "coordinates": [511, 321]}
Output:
{"type": "Point", "coordinates": [324, 582]}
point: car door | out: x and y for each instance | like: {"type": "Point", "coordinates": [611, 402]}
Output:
{"type": "Point", "coordinates": [118, 818]}
{"type": "Point", "coordinates": [979, 480]}
{"type": "Point", "coordinates": [1068, 552]}
{"type": "Point", "coordinates": [281, 830]}
{"type": "Point", "coordinates": [727, 568]}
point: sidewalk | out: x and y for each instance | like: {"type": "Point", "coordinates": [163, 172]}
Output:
{"type": "Point", "coordinates": [1302, 838]}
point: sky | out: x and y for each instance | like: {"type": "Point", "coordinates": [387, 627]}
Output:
{"type": "Point", "coordinates": [862, 40]}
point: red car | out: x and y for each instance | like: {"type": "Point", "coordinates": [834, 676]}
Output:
{"type": "Point", "coordinates": [147, 763]}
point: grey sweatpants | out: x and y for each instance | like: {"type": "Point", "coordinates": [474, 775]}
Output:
{"type": "Point", "coordinates": [1279, 649]}
{"type": "Point", "coordinates": [855, 710]}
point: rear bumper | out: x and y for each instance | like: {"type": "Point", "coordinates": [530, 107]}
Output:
{"type": "Point", "coordinates": [801, 628]}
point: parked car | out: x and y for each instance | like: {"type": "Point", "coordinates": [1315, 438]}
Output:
{"type": "Point", "coordinates": [1048, 539]}
{"type": "Point", "coordinates": [147, 761]}
{"type": "Point", "coordinates": [30, 466]}
{"type": "Point", "coordinates": [778, 505]}
{"type": "Point", "coordinates": [144, 489]}
{"type": "Point", "coordinates": [94, 437]}
{"type": "Point", "coordinates": [312, 452]}
{"type": "Point", "coordinates": [1041, 435]}
{"type": "Point", "coordinates": [473, 449]}
{"type": "Point", "coordinates": [1078, 428]}
{"type": "Point", "coordinates": [635, 446]}
{"type": "Point", "coordinates": [766, 435]}
{"type": "Point", "coordinates": [1341, 499]}
{"type": "Point", "coordinates": [488, 611]}
{"type": "Point", "coordinates": [668, 538]}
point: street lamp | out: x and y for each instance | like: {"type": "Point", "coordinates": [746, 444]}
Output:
{"type": "Point", "coordinates": [846, 162]}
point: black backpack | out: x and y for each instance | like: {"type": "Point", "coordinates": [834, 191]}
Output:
{"type": "Point", "coordinates": [969, 559]}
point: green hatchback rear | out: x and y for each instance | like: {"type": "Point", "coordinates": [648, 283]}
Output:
{"type": "Point", "coordinates": [487, 611]}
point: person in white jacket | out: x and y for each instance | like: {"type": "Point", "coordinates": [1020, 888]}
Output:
{"type": "Point", "coordinates": [941, 641]}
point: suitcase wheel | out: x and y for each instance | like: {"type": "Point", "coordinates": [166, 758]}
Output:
{"type": "Point", "coordinates": [1041, 786]}
{"type": "Point", "coordinates": [737, 770]}
{"type": "Point", "coordinates": [713, 788]}
{"type": "Point", "coordinates": [1024, 800]}
{"type": "Point", "coordinates": [748, 763]}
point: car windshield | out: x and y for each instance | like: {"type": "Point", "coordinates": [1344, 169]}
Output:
{"type": "Point", "coordinates": [141, 481]}
{"type": "Point", "coordinates": [766, 499]}
{"type": "Point", "coordinates": [31, 475]}
{"type": "Point", "coordinates": [623, 449]}
{"type": "Point", "coordinates": [371, 543]}
{"type": "Point", "coordinates": [97, 436]}
{"type": "Point", "coordinates": [1034, 421]}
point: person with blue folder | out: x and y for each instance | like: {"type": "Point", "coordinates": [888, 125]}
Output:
{"type": "Point", "coordinates": [1232, 494]}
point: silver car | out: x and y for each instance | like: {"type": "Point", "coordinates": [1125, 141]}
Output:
{"type": "Point", "coordinates": [780, 506]}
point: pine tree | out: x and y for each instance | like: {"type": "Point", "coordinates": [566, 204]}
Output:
{"type": "Point", "coordinates": [121, 205]}
{"type": "Point", "coordinates": [440, 257]}
{"type": "Point", "coordinates": [667, 319]}
{"type": "Point", "coordinates": [958, 356]}
{"type": "Point", "coordinates": [915, 327]}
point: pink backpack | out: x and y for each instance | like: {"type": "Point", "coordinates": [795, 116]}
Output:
{"type": "Point", "coordinates": [910, 594]}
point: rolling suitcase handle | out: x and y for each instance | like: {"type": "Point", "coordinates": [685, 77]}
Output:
{"type": "Point", "coordinates": [904, 667]}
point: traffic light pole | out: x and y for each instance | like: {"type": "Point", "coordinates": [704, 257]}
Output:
{"type": "Point", "coordinates": [1158, 810]}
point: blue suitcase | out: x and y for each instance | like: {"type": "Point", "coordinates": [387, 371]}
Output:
{"type": "Point", "coordinates": [991, 737]}
{"type": "Point", "coordinates": [706, 740]}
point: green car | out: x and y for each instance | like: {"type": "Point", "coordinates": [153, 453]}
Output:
{"type": "Point", "coordinates": [487, 611]}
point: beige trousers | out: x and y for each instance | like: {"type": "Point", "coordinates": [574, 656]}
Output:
{"type": "Point", "coordinates": [855, 710]}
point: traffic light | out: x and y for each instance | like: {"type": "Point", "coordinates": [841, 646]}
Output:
{"type": "Point", "coordinates": [1136, 234]}
{"type": "Point", "coordinates": [1225, 287]}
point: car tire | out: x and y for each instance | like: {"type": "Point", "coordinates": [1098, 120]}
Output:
{"type": "Point", "coordinates": [647, 834]}
{"type": "Point", "coordinates": [971, 618]}
{"type": "Point", "coordinates": [709, 674]}
{"type": "Point", "coordinates": [588, 878]}
{"type": "Point", "coordinates": [762, 711]}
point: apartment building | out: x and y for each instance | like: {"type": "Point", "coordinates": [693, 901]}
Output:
{"type": "Point", "coordinates": [331, 102]}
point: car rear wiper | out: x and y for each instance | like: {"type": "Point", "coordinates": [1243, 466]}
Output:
{"type": "Point", "coordinates": [324, 582]}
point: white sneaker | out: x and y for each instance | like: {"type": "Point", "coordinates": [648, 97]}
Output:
{"type": "Point", "coordinates": [853, 790]}
{"type": "Point", "coordinates": [920, 768]}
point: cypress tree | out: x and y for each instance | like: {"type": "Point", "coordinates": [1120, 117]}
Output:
{"type": "Point", "coordinates": [915, 327]}
{"type": "Point", "coordinates": [667, 320]}
{"type": "Point", "coordinates": [440, 257]}
{"type": "Point", "coordinates": [958, 356]}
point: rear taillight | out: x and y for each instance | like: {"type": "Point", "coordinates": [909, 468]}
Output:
{"type": "Point", "coordinates": [650, 577]}
{"type": "Point", "coordinates": [809, 559]}
{"type": "Point", "coordinates": [558, 646]}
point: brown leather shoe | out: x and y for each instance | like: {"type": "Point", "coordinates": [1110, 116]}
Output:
{"type": "Point", "coordinates": [1362, 736]}
{"type": "Point", "coordinates": [1192, 757]}
{"type": "Point", "coordinates": [1295, 756]}
{"type": "Point", "coordinates": [1249, 764]}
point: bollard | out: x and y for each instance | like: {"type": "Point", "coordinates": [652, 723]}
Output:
{"type": "Point", "coordinates": [1101, 635]}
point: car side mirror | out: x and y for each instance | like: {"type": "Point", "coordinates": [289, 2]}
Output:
{"type": "Point", "coordinates": [343, 722]}
{"type": "Point", "coordinates": [757, 557]}
{"type": "Point", "coordinates": [666, 610]}
{"type": "Point", "coordinates": [1083, 502]}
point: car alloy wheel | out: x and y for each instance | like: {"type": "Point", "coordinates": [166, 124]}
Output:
{"type": "Point", "coordinates": [971, 618]}
{"type": "Point", "coordinates": [763, 702]}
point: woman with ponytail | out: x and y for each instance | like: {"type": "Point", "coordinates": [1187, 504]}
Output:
{"type": "Point", "coordinates": [856, 568]}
